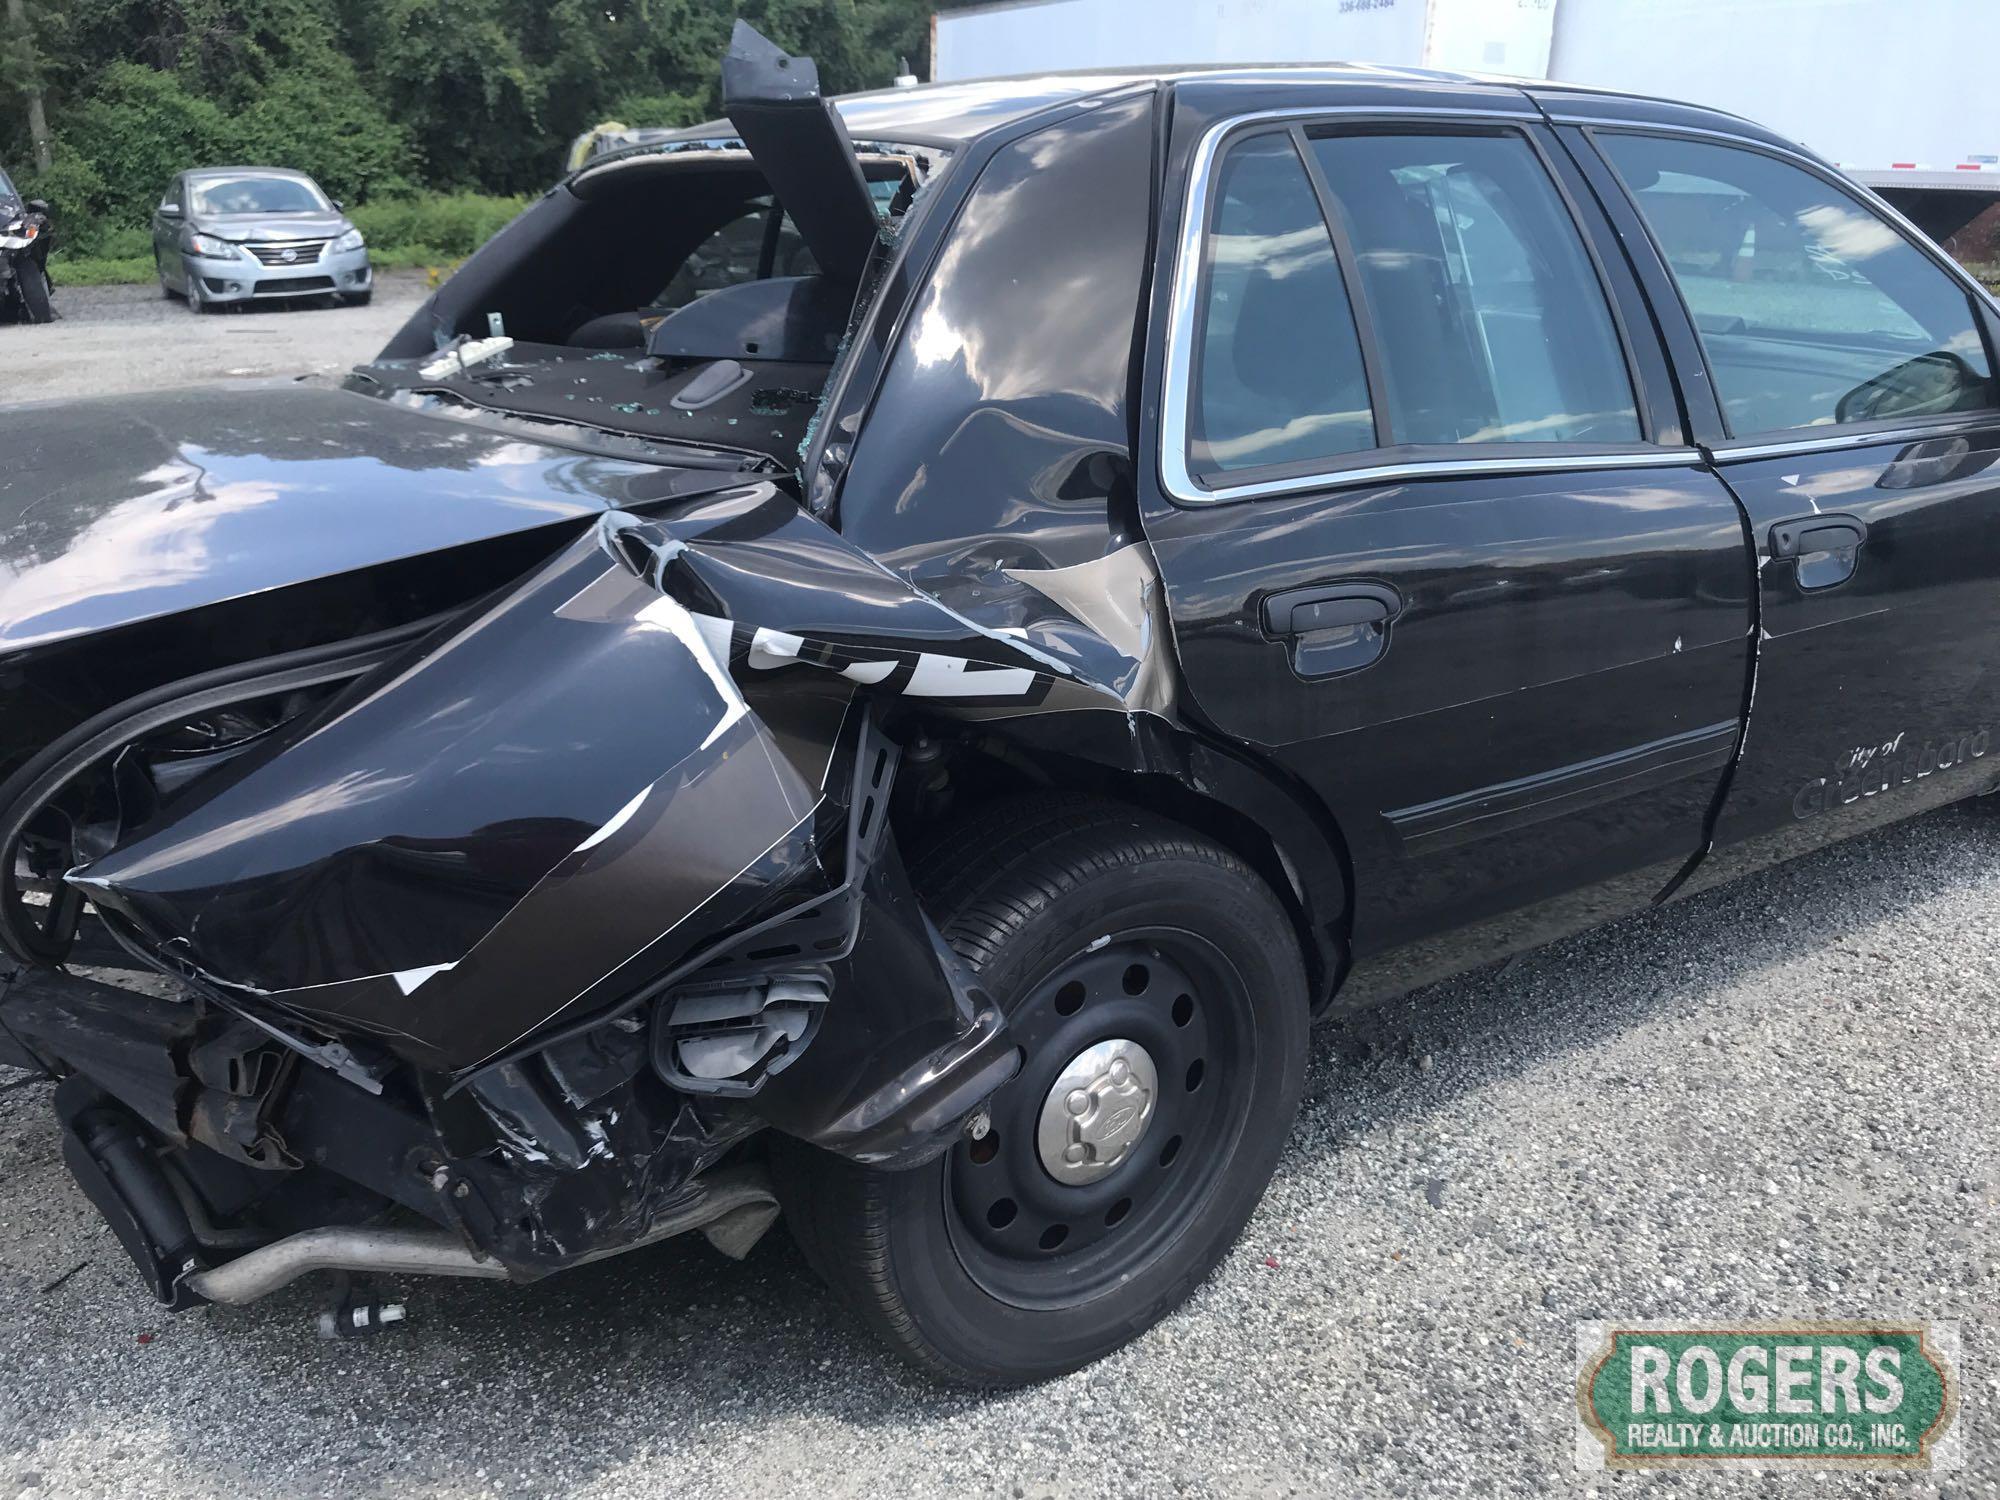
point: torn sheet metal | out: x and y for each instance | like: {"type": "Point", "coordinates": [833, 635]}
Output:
{"type": "Point", "coordinates": [623, 759]}
{"type": "Point", "coordinates": [534, 814]}
{"type": "Point", "coordinates": [791, 592]}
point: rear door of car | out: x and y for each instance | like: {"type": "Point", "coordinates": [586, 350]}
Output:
{"type": "Point", "coordinates": [1433, 537]}
{"type": "Point", "coordinates": [1853, 368]}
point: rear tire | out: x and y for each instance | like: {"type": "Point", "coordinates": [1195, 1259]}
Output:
{"type": "Point", "coordinates": [37, 306]}
{"type": "Point", "coordinates": [1001, 1263]}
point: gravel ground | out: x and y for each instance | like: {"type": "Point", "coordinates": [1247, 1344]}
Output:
{"type": "Point", "coordinates": [130, 338]}
{"type": "Point", "coordinates": [1774, 1100]}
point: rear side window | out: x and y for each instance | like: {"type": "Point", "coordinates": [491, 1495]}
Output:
{"type": "Point", "coordinates": [1451, 254]}
{"type": "Point", "coordinates": [1813, 310]}
{"type": "Point", "coordinates": [1279, 379]}
{"type": "Point", "coordinates": [1492, 324]}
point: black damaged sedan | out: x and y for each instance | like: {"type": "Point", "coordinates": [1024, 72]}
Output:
{"type": "Point", "coordinates": [881, 661]}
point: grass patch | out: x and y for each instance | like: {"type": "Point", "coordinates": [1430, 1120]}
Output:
{"type": "Point", "coordinates": [100, 270]}
{"type": "Point", "coordinates": [414, 258]}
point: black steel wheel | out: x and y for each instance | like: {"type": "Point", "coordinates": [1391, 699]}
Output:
{"type": "Point", "coordinates": [1154, 985]}
{"type": "Point", "coordinates": [1041, 1214]}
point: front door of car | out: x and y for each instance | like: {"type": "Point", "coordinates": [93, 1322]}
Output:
{"type": "Point", "coordinates": [167, 229]}
{"type": "Point", "coordinates": [1856, 383]}
{"type": "Point", "coordinates": [1431, 537]}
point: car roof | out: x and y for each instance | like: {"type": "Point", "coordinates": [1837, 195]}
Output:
{"type": "Point", "coordinates": [249, 172]}
{"type": "Point", "coordinates": [951, 114]}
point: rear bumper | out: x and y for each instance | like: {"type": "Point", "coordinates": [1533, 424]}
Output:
{"type": "Point", "coordinates": [226, 1171]}
{"type": "Point", "coordinates": [224, 1180]}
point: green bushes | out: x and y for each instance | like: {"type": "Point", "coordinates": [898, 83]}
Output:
{"type": "Point", "coordinates": [118, 147]}
{"type": "Point", "coordinates": [449, 225]}
{"type": "Point", "coordinates": [410, 232]}
{"type": "Point", "coordinates": [132, 134]}
{"type": "Point", "coordinates": [383, 101]}
{"type": "Point", "coordinates": [324, 123]}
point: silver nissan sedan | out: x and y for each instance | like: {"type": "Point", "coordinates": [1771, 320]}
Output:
{"type": "Point", "coordinates": [241, 234]}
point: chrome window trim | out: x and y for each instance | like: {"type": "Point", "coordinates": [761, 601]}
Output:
{"type": "Point", "coordinates": [1178, 480]}
{"type": "Point", "coordinates": [1958, 426]}
{"type": "Point", "coordinates": [1433, 469]}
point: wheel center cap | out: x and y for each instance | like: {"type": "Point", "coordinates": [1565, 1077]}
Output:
{"type": "Point", "coordinates": [1097, 1112]}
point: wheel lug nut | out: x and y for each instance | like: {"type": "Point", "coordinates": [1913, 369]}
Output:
{"type": "Point", "coordinates": [1120, 1070]}
{"type": "Point", "coordinates": [1076, 1151]}
{"type": "Point", "coordinates": [1078, 1101]}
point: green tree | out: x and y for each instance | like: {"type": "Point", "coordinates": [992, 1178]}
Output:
{"type": "Point", "coordinates": [377, 96]}
{"type": "Point", "coordinates": [137, 128]}
{"type": "Point", "coordinates": [453, 74]}
{"type": "Point", "coordinates": [323, 121]}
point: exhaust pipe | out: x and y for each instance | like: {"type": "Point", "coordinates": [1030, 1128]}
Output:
{"type": "Point", "coordinates": [734, 1210]}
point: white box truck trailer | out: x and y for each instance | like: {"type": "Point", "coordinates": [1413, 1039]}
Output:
{"type": "Point", "coordinates": [1899, 93]}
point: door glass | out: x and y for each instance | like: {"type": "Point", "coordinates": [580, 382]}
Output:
{"type": "Point", "coordinates": [734, 254]}
{"type": "Point", "coordinates": [1491, 321]}
{"type": "Point", "coordinates": [1812, 308]}
{"type": "Point", "coordinates": [1278, 374]}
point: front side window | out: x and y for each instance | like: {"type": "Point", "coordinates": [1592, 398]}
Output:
{"type": "Point", "coordinates": [1812, 309]}
{"type": "Point", "coordinates": [6, 187]}
{"type": "Point", "coordinates": [1486, 316]}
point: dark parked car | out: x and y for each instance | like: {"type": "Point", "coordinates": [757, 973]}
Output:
{"type": "Point", "coordinates": [912, 735]}
{"type": "Point", "coordinates": [26, 237]}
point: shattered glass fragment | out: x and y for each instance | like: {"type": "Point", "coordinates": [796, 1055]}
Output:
{"type": "Point", "coordinates": [776, 400]}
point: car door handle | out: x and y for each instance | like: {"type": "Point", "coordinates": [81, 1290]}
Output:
{"type": "Point", "coordinates": [1826, 547]}
{"type": "Point", "coordinates": [1333, 628]}
{"type": "Point", "coordinates": [1330, 606]}
{"type": "Point", "coordinates": [1803, 535]}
